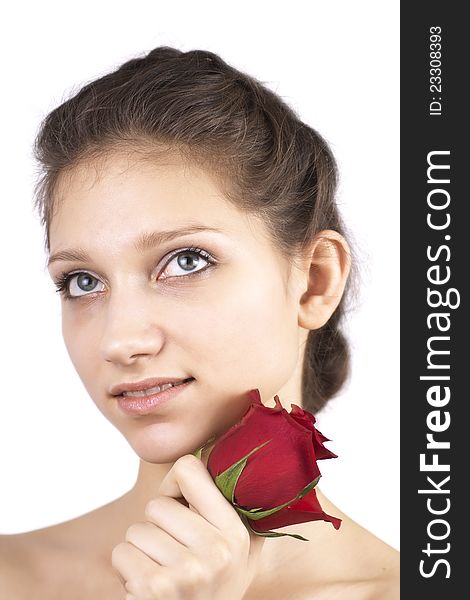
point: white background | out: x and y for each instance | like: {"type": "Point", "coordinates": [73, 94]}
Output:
{"type": "Point", "coordinates": [337, 64]}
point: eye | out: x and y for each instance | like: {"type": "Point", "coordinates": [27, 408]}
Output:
{"type": "Point", "coordinates": [82, 281]}
{"type": "Point", "coordinates": [76, 285]}
{"type": "Point", "coordinates": [186, 261]}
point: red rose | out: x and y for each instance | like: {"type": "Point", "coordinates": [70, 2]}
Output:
{"type": "Point", "coordinates": [280, 452]}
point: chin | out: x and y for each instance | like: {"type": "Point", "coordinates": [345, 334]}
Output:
{"type": "Point", "coordinates": [157, 448]}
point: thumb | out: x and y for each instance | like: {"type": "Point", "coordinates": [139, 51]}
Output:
{"type": "Point", "coordinates": [256, 541]}
{"type": "Point", "coordinates": [204, 458]}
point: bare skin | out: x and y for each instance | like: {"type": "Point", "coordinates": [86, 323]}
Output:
{"type": "Point", "coordinates": [139, 321]}
{"type": "Point", "coordinates": [72, 560]}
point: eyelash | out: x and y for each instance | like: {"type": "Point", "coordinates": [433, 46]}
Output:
{"type": "Point", "coordinates": [62, 281]}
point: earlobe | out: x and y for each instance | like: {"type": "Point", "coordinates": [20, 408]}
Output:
{"type": "Point", "coordinates": [326, 271]}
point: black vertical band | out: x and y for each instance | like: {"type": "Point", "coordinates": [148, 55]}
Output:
{"type": "Point", "coordinates": [435, 328]}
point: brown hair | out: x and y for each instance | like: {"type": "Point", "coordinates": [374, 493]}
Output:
{"type": "Point", "coordinates": [271, 164]}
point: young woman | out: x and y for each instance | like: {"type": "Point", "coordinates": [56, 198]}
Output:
{"type": "Point", "coordinates": [192, 231]}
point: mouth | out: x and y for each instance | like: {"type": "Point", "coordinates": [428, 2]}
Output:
{"type": "Point", "coordinates": [147, 401]}
{"type": "Point", "coordinates": [146, 393]}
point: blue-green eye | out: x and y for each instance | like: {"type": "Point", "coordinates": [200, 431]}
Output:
{"type": "Point", "coordinates": [186, 261]}
{"type": "Point", "coordinates": [74, 285]}
{"type": "Point", "coordinates": [81, 280]}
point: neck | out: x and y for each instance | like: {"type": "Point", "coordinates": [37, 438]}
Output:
{"type": "Point", "coordinates": [148, 481]}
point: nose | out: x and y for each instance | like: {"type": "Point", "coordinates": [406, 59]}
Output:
{"type": "Point", "coordinates": [131, 328]}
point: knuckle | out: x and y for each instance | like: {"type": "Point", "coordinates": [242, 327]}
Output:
{"type": "Point", "coordinates": [195, 574]}
{"type": "Point", "coordinates": [159, 586]}
{"type": "Point", "coordinates": [133, 532]}
{"type": "Point", "coordinates": [118, 552]}
{"type": "Point", "coordinates": [152, 507]}
{"type": "Point", "coordinates": [149, 508]}
{"type": "Point", "coordinates": [241, 536]}
{"type": "Point", "coordinates": [245, 537]}
{"type": "Point", "coordinates": [187, 461]}
{"type": "Point", "coordinates": [220, 557]}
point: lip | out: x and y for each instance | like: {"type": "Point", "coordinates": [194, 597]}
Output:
{"type": "Point", "coordinates": [144, 405]}
{"type": "Point", "coordinates": [145, 384]}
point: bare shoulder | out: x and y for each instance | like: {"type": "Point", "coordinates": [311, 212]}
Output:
{"type": "Point", "coordinates": [16, 567]}
{"type": "Point", "coordinates": [389, 589]}
{"type": "Point", "coordinates": [385, 588]}
{"type": "Point", "coordinates": [360, 566]}
{"type": "Point", "coordinates": [372, 564]}
{"type": "Point", "coordinates": [56, 562]}
{"type": "Point", "coordinates": [384, 582]}
{"type": "Point", "coordinates": [386, 585]}
{"type": "Point", "coordinates": [26, 558]}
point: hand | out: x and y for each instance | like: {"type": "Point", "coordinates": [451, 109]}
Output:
{"type": "Point", "coordinates": [198, 552]}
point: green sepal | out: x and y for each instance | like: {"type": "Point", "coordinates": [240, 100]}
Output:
{"type": "Point", "coordinates": [271, 534]}
{"type": "Point", "coordinates": [198, 452]}
{"type": "Point", "coordinates": [256, 513]}
{"type": "Point", "coordinates": [227, 480]}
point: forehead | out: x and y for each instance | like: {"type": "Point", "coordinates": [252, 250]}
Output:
{"type": "Point", "coordinates": [105, 204]}
{"type": "Point", "coordinates": [127, 190]}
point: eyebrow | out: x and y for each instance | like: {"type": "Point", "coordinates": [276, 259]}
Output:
{"type": "Point", "coordinates": [145, 241]}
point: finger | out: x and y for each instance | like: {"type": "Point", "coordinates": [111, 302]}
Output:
{"type": "Point", "coordinates": [189, 478]}
{"type": "Point", "coordinates": [156, 543]}
{"type": "Point", "coordinates": [144, 579]}
{"type": "Point", "coordinates": [132, 564]}
{"type": "Point", "coordinates": [188, 528]}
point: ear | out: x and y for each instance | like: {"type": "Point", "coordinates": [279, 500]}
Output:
{"type": "Point", "coordinates": [324, 277]}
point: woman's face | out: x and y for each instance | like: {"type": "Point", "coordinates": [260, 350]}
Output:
{"type": "Point", "coordinates": [167, 311]}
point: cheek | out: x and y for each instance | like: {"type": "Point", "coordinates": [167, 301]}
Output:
{"type": "Point", "coordinates": [81, 345]}
{"type": "Point", "coordinates": [249, 334]}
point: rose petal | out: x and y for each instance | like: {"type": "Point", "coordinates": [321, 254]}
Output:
{"type": "Point", "coordinates": [279, 470]}
{"type": "Point", "coordinates": [308, 420]}
{"type": "Point", "coordinates": [304, 510]}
